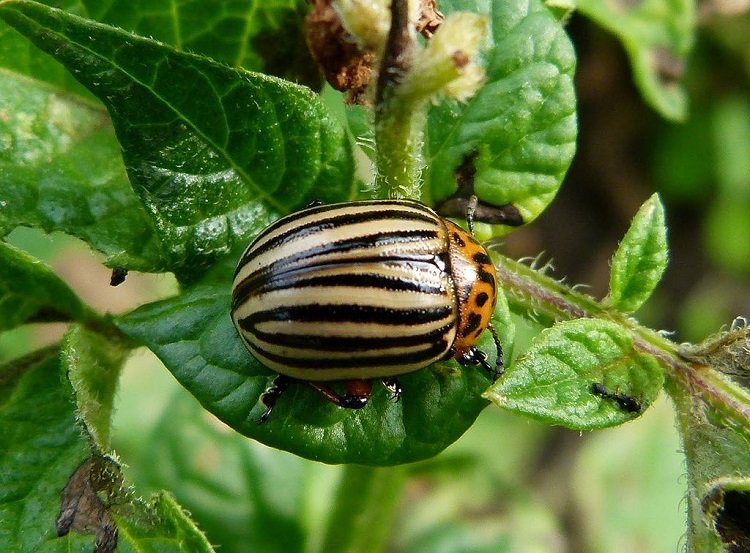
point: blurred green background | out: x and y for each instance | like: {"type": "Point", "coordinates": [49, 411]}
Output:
{"type": "Point", "coordinates": [509, 484]}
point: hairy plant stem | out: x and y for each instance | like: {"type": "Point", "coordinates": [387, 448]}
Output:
{"type": "Point", "coordinates": [537, 296]}
{"type": "Point", "coordinates": [399, 121]}
{"type": "Point", "coordinates": [365, 506]}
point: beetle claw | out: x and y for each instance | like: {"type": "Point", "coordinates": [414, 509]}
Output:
{"type": "Point", "coordinates": [272, 394]}
{"type": "Point", "coordinates": [352, 402]}
{"type": "Point", "coordinates": [393, 385]}
{"type": "Point", "coordinates": [473, 356]}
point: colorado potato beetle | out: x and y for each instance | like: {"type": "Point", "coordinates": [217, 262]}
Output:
{"type": "Point", "coordinates": [362, 290]}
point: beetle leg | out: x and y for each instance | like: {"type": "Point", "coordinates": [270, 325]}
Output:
{"type": "Point", "coordinates": [357, 393]}
{"type": "Point", "coordinates": [272, 394]}
{"type": "Point", "coordinates": [392, 385]}
{"type": "Point", "coordinates": [312, 203]}
{"type": "Point", "coordinates": [500, 359]}
{"type": "Point", "coordinates": [473, 356]}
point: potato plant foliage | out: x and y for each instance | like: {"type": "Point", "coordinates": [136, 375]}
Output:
{"type": "Point", "coordinates": [166, 138]}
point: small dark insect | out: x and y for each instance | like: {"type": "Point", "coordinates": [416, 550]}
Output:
{"type": "Point", "coordinates": [118, 276]}
{"type": "Point", "coordinates": [363, 290]}
{"type": "Point", "coordinates": [627, 403]}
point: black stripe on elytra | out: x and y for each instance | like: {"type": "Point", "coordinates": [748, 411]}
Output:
{"type": "Point", "coordinates": [324, 208]}
{"type": "Point", "coordinates": [357, 361]}
{"type": "Point", "coordinates": [256, 282]}
{"type": "Point", "coordinates": [349, 343]}
{"type": "Point", "coordinates": [378, 240]}
{"type": "Point", "coordinates": [357, 280]}
{"type": "Point", "coordinates": [336, 221]}
{"type": "Point", "coordinates": [349, 313]}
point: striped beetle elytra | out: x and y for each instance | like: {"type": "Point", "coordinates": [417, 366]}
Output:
{"type": "Point", "coordinates": [362, 290]}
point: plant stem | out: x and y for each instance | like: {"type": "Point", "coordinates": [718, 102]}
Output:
{"type": "Point", "coordinates": [365, 506]}
{"type": "Point", "coordinates": [398, 121]}
{"type": "Point", "coordinates": [540, 297]}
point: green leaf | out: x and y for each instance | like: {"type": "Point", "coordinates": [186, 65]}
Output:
{"type": "Point", "coordinates": [56, 495]}
{"type": "Point", "coordinates": [194, 337]}
{"type": "Point", "coordinates": [521, 125]}
{"type": "Point", "coordinates": [640, 259]}
{"type": "Point", "coordinates": [60, 170]}
{"type": "Point", "coordinates": [30, 291]}
{"type": "Point", "coordinates": [41, 446]}
{"type": "Point", "coordinates": [93, 364]}
{"type": "Point", "coordinates": [161, 525]}
{"type": "Point", "coordinates": [553, 380]}
{"type": "Point", "coordinates": [19, 57]}
{"type": "Point", "coordinates": [658, 36]}
{"type": "Point", "coordinates": [214, 153]}
{"type": "Point", "coordinates": [260, 36]}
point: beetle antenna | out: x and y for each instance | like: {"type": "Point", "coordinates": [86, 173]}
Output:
{"type": "Point", "coordinates": [471, 209]}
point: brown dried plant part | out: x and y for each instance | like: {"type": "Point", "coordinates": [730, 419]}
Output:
{"type": "Point", "coordinates": [430, 18]}
{"type": "Point", "coordinates": [82, 508]}
{"type": "Point", "coordinates": [345, 65]}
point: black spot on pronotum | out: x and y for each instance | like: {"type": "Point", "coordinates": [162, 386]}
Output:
{"type": "Point", "coordinates": [481, 299]}
{"type": "Point", "coordinates": [482, 258]}
{"type": "Point", "coordinates": [487, 278]}
{"type": "Point", "coordinates": [82, 502]}
{"type": "Point", "coordinates": [119, 274]}
{"type": "Point", "coordinates": [472, 324]}
{"type": "Point", "coordinates": [458, 240]}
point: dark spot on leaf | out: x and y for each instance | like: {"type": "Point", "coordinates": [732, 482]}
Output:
{"type": "Point", "coordinates": [119, 275]}
{"type": "Point", "coordinates": [457, 204]}
{"type": "Point", "coordinates": [730, 510]}
{"type": "Point", "coordinates": [466, 172]}
{"type": "Point", "coordinates": [627, 403]}
{"type": "Point", "coordinates": [460, 59]}
{"type": "Point", "coordinates": [669, 67]}
{"type": "Point", "coordinates": [82, 508]}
